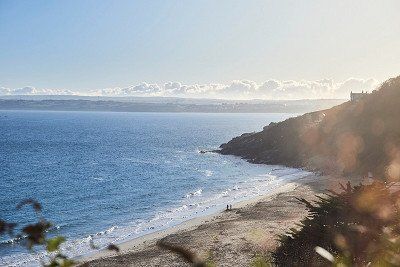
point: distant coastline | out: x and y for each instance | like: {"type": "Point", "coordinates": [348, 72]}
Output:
{"type": "Point", "coordinates": [160, 104]}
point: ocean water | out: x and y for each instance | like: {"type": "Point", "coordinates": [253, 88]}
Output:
{"type": "Point", "coordinates": [110, 177]}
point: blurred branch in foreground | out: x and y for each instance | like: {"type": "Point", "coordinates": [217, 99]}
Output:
{"type": "Point", "coordinates": [359, 226]}
{"type": "Point", "coordinates": [35, 234]}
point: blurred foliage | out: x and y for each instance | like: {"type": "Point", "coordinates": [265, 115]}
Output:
{"type": "Point", "coordinates": [358, 227]}
{"type": "Point", "coordinates": [7, 228]}
{"type": "Point", "coordinates": [260, 261]}
{"type": "Point", "coordinates": [35, 204]}
{"type": "Point", "coordinates": [54, 243]}
{"type": "Point", "coordinates": [35, 234]}
{"type": "Point", "coordinates": [186, 254]}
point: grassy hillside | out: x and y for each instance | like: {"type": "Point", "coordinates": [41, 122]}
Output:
{"type": "Point", "coordinates": [352, 138]}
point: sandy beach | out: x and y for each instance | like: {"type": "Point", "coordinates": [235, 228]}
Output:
{"type": "Point", "coordinates": [229, 238]}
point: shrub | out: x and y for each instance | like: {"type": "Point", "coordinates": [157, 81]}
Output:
{"type": "Point", "coordinates": [358, 227]}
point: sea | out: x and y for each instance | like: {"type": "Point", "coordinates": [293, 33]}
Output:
{"type": "Point", "coordinates": [108, 177]}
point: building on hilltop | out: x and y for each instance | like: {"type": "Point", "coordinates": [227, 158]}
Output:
{"type": "Point", "coordinates": [354, 97]}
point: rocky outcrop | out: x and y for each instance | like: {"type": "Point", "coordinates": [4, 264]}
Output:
{"type": "Point", "coordinates": [352, 138]}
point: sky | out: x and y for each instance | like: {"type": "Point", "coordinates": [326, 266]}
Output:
{"type": "Point", "coordinates": [219, 49]}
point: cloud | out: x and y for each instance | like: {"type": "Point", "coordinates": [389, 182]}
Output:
{"type": "Point", "coordinates": [355, 85]}
{"type": "Point", "coordinates": [27, 90]}
{"type": "Point", "coordinates": [142, 89]}
{"type": "Point", "coordinates": [237, 89]}
{"type": "Point", "coordinates": [298, 89]}
{"type": "Point", "coordinates": [195, 90]}
{"type": "Point", "coordinates": [30, 90]}
{"type": "Point", "coordinates": [241, 89]}
{"type": "Point", "coordinates": [325, 88]}
{"type": "Point", "coordinates": [270, 85]}
{"type": "Point", "coordinates": [4, 91]}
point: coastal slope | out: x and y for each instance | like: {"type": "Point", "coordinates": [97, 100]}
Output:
{"type": "Point", "coordinates": [356, 137]}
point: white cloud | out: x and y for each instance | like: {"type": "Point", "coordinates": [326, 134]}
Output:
{"type": "Point", "coordinates": [142, 89]}
{"type": "Point", "coordinates": [238, 89]}
{"type": "Point", "coordinates": [4, 91]}
{"type": "Point", "coordinates": [270, 85]}
{"type": "Point", "coordinates": [29, 90]}
{"type": "Point", "coordinates": [241, 89]}
{"type": "Point", "coordinates": [355, 85]}
{"type": "Point", "coordinates": [195, 90]}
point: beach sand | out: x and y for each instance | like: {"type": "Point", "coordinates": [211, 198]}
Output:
{"type": "Point", "coordinates": [229, 238]}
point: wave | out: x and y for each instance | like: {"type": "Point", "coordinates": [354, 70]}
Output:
{"type": "Point", "coordinates": [195, 193]}
{"type": "Point", "coordinates": [18, 239]}
{"type": "Point", "coordinates": [13, 240]}
{"type": "Point", "coordinates": [109, 230]}
{"type": "Point", "coordinates": [208, 173]}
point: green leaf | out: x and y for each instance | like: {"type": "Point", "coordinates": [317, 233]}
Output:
{"type": "Point", "coordinates": [54, 243]}
{"type": "Point", "coordinates": [260, 261]}
{"type": "Point", "coordinates": [67, 263]}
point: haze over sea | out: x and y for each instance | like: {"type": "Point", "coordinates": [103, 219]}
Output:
{"type": "Point", "coordinates": [112, 177]}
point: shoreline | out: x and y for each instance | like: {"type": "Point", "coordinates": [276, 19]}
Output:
{"type": "Point", "coordinates": [144, 240]}
{"type": "Point", "coordinates": [264, 216]}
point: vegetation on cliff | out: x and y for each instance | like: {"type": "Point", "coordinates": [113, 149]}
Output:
{"type": "Point", "coordinates": [352, 138]}
{"type": "Point", "coordinates": [358, 227]}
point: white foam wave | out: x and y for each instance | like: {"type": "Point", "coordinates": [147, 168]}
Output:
{"type": "Point", "coordinates": [13, 240]}
{"type": "Point", "coordinates": [208, 173]}
{"type": "Point", "coordinates": [195, 193]}
{"type": "Point", "coordinates": [109, 230]}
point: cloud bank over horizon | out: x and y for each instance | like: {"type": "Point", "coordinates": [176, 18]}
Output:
{"type": "Point", "coordinates": [237, 89]}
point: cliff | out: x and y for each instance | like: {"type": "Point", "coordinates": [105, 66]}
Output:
{"type": "Point", "coordinates": [351, 138]}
